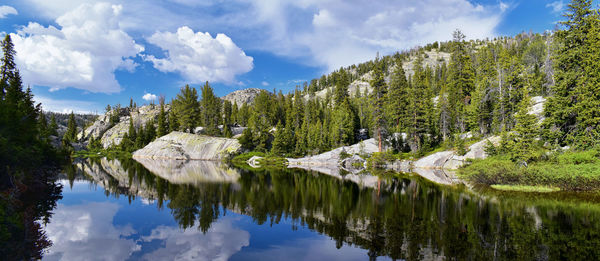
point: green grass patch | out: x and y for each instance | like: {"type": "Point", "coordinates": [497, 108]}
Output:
{"type": "Point", "coordinates": [525, 188]}
{"type": "Point", "coordinates": [573, 171]}
{"type": "Point", "coordinates": [110, 153]}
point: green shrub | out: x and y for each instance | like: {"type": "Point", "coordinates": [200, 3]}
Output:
{"type": "Point", "coordinates": [379, 160]}
{"type": "Point", "coordinates": [579, 157]}
{"type": "Point", "coordinates": [493, 170]}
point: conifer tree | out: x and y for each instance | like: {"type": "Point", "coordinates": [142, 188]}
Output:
{"type": "Point", "coordinates": [71, 134]}
{"type": "Point", "coordinates": [588, 89]}
{"type": "Point", "coordinates": [53, 126]}
{"type": "Point", "coordinates": [173, 122]}
{"type": "Point", "coordinates": [132, 132]}
{"type": "Point", "coordinates": [525, 131]}
{"type": "Point", "coordinates": [162, 120]}
{"type": "Point", "coordinates": [280, 142]}
{"type": "Point", "coordinates": [187, 108]}
{"type": "Point", "coordinates": [210, 110]}
{"type": "Point", "coordinates": [460, 81]}
{"type": "Point", "coordinates": [560, 109]}
{"type": "Point", "coordinates": [397, 98]}
{"type": "Point", "coordinates": [378, 97]}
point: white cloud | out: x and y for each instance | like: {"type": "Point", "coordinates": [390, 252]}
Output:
{"type": "Point", "coordinates": [77, 232]}
{"type": "Point", "coordinates": [557, 6]}
{"type": "Point", "coordinates": [328, 33]}
{"type": "Point", "coordinates": [149, 97]}
{"type": "Point", "coordinates": [220, 242]}
{"type": "Point", "coordinates": [84, 53]}
{"type": "Point", "coordinates": [67, 106]}
{"type": "Point", "coordinates": [264, 83]}
{"type": "Point", "coordinates": [199, 57]}
{"type": "Point", "coordinates": [6, 10]}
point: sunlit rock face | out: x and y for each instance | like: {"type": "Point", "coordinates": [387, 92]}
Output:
{"type": "Point", "coordinates": [240, 97]}
{"type": "Point", "coordinates": [190, 171]}
{"type": "Point", "coordinates": [186, 146]}
{"type": "Point", "coordinates": [140, 117]}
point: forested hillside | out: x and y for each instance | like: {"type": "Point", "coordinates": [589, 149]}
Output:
{"type": "Point", "coordinates": [422, 99]}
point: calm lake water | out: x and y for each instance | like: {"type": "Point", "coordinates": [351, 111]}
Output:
{"type": "Point", "coordinates": [123, 210]}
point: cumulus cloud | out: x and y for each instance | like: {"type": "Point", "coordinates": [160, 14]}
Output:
{"type": "Point", "coordinates": [345, 33]}
{"type": "Point", "coordinates": [327, 33]}
{"type": "Point", "coordinates": [149, 97]}
{"type": "Point", "coordinates": [264, 83]}
{"type": "Point", "coordinates": [82, 52]}
{"type": "Point", "coordinates": [199, 57]}
{"type": "Point", "coordinates": [557, 6]}
{"type": "Point", "coordinates": [77, 232]}
{"type": "Point", "coordinates": [220, 242]}
{"type": "Point", "coordinates": [6, 10]}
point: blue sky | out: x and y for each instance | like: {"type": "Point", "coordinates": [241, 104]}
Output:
{"type": "Point", "coordinates": [84, 54]}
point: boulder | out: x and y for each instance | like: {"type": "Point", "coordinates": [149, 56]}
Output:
{"type": "Point", "coordinates": [333, 157]}
{"type": "Point", "coordinates": [537, 107]}
{"type": "Point", "coordinates": [476, 151]}
{"type": "Point", "coordinates": [187, 146]}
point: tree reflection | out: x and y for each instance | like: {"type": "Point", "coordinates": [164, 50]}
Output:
{"type": "Point", "coordinates": [24, 208]}
{"type": "Point", "coordinates": [407, 219]}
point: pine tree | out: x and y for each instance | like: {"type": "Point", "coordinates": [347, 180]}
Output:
{"type": "Point", "coordinates": [279, 146]}
{"type": "Point", "coordinates": [588, 88]}
{"type": "Point", "coordinates": [173, 122]}
{"type": "Point", "coordinates": [397, 98]}
{"type": "Point", "coordinates": [561, 114]}
{"type": "Point", "coordinates": [525, 131]}
{"type": "Point", "coordinates": [150, 132]}
{"type": "Point", "coordinates": [132, 133]}
{"type": "Point", "coordinates": [187, 108]}
{"type": "Point", "coordinates": [162, 121]}
{"type": "Point", "coordinates": [210, 110]}
{"type": "Point", "coordinates": [378, 97]}
{"type": "Point", "coordinates": [71, 134]}
{"type": "Point", "coordinates": [53, 126]}
{"type": "Point", "coordinates": [8, 68]}
{"type": "Point", "coordinates": [460, 81]}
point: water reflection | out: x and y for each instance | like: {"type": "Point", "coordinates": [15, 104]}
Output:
{"type": "Point", "coordinates": [407, 218]}
{"type": "Point", "coordinates": [190, 172]}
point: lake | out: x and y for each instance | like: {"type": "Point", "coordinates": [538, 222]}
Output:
{"type": "Point", "coordinates": [174, 210]}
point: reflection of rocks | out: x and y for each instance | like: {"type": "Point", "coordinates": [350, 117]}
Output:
{"type": "Point", "coordinates": [191, 171]}
{"type": "Point", "coordinates": [366, 180]}
{"type": "Point", "coordinates": [106, 172]}
{"type": "Point", "coordinates": [180, 145]}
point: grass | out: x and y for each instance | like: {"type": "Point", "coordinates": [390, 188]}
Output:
{"type": "Point", "coordinates": [570, 171]}
{"type": "Point", "coordinates": [109, 153]}
{"type": "Point", "coordinates": [525, 188]}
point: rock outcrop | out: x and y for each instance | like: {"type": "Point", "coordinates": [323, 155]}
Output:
{"type": "Point", "coordinates": [242, 96]}
{"type": "Point", "coordinates": [140, 116]}
{"type": "Point", "coordinates": [186, 146]}
{"type": "Point", "coordinates": [332, 158]}
{"type": "Point", "coordinates": [101, 125]}
{"type": "Point", "coordinates": [537, 107]}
